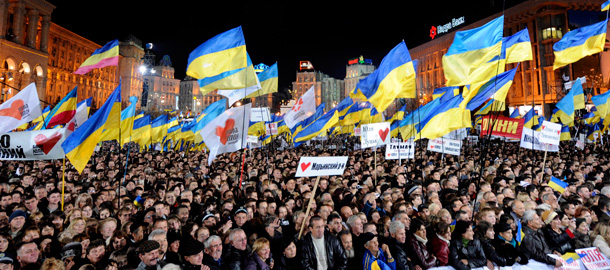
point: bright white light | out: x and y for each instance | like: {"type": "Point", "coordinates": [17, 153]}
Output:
{"type": "Point", "coordinates": [142, 69]}
{"type": "Point", "coordinates": [152, 70]}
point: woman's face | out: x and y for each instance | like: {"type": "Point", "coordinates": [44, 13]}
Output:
{"type": "Point", "coordinates": [565, 221]}
{"type": "Point", "coordinates": [507, 235]}
{"type": "Point", "coordinates": [264, 252]}
{"type": "Point", "coordinates": [469, 234]}
{"type": "Point", "coordinates": [79, 226]}
{"type": "Point", "coordinates": [583, 228]}
{"type": "Point", "coordinates": [555, 223]}
{"type": "Point", "coordinates": [46, 230]}
{"type": "Point", "coordinates": [75, 215]}
{"type": "Point", "coordinates": [587, 216]}
{"type": "Point", "coordinates": [490, 233]}
{"type": "Point", "coordinates": [290, 251]}
{"type": "Point", "coordinates": [3, 244]}
{"type": "Point", "coordinates": [87, 211]}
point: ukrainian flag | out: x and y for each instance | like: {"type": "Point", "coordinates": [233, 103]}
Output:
{"type": "Point", "coordinates": [301, 125]}
{"type": "Point", "coordinates": [495, 88]}
{"type": "Point", "coordinates": [515, 114]}
{"type": "Point", "coordinates": [448, 117]}
{"type": "Point", "coordinates": [141, 114]}
{"type": "Point", "coordinates": [591, 117]}
{"type": "Point", "coordinates": [344, 105]}
{"type": "Point", "coordinates": [606, 5]}
{"type": "Point", "coordinates": [565, 133]}
{"type": "Point", "coordinates": [268, 80]}
{"type": "Point", "coordinates": [579, 43]}
{"type": "Point", "coordinates": [173, 122]}
{"type": "Point", "coordinates": [233, 79]}
{"type": "Point", "coordinates": [570, 257]}
{"type": "Point", "coordinates": [209, 113]}
{"type": "Point", "coordinates": [139, 202]}
{"type": "Point", "coordinates": [158, 128]}
{"type": "Point", "coordinates": [601, 103]}
{"type": "Point", "coordinates": [470, 56]}
{"type": "Point", "coordinates": [530, 119]}
{"type": "Point", "coordinates": [518, 47]}
{"type": "Point", "coordinates": [172, 133]}
{"type": "Point", "coordinates": [394, 129]}
{"type": "Point", "coordinates": [256, 128]}
{"type": "Point", "coordinates": [354, 113]}
{"type": "Point", "coordinates": [410, 123]}
{"type": "Point", "coordinates": [142, 131]}
{"type": "Point", "coordinates": [126, 126]}
{"type": "Point", "coordinates": [395, 78]}
{"type": "Point", "coordinates": [80, 144]}
{"type": "Point", "coordinates": [538, 127]}
{"type": "Point", "coordinates": [399, 115]}
{"type": "Point", "coordinates": [38, 122]}
{"type": "Point", "coordinates": [569, 103]}
{"type": "Point", "coordinates": [323, 123]}
{"type": "Point", "coordinates": [63, 112]}
{"type": "Point", "coordinates": [558, 185]}
{"type": "Point", "coordinates": [439, 92]}
{"type": "Point", "coordinates": [222, 53]}
{"type": "Point", "coordinates": [592, 130]}
{"type": "Point", "coordinates": [520, 235]}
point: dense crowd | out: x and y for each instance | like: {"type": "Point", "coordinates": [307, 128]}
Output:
{"type": "Point", "coordinates": [170, 210]}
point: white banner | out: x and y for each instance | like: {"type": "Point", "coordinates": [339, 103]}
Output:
{"type": "Point", "coordinates": [593, 260]}
{"type": "Point", "coordinates": [33, 145]}
{"type": "Point", "coordinates": [529, 137]}
{"type": "Point", "coordinates": [320, 166]}
{"type": "Point", "coordinates": [303, 108]}
{"type": "Point", "coordinates": [376, 134]}
{"type": "Point", "coordinates": [20, 109]}
{"type": "Point", "coordinates": [400, 150]}
{"type": "Point", "coordinates": [445, 146]}
{"type": "Point", "coordinates": [271, 129]}
{"type": "Point", "coordinates": [260, 114]}
{"type": "Point", "coordinates": [550, 133]}
{"type": "Point", "coordinates": [226, 133]}
{"type": "Point", "coordinates": [238, 94]}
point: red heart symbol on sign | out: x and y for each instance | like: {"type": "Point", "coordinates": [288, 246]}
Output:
{"type": "Point", "coordinates": [14, 110]}
{"type": "Point", "coordinates": [543, 127]}
{"type": "Point", "coordinates": [224, 132]}
{"type": "Point", "coordinates": [432, 146]}
{"type": "Point", "coordinates": [304, 166]}
{"type": "Point", "coordinates": [47, 143]}
{"type": "Point", "coordinates": [383, 133]}
{"type": "Point", "coordinates": [558, 132]}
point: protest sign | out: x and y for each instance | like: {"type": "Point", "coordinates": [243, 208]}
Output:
{"type": "Point", "coordinates": [319, 166]}
{"type": "Point", "coordinates": [445, 146]}
{"type": "Point", "coordinates": [502, 126]}
{"type": "Point", "coordinates": [271, 129]}
{"type": "Point", "coordinates": [376, 134]}
{"type": "Point", "coordinates": [550, 133]}
{"type": "Point", "coordinates": [574, 265]}
{"type": "Point", "coordinates": [33, 145]}
{"type": "Point", "coordinates": [594, 260]}
{"type": "Point", "coordinates": [529, 140]}
{"type": "Point", "coordinates": [400, 150]}
{"type": "Point", "coordinates": [259, 114]}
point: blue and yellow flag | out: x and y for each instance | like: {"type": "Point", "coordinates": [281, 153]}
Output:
{"type": "Point", "coordinates": [518, 47]}
{"type": "Point", "coordinates": [515, 114]}
{"type": "Point", "coordinates": [439, 92]}
{"type": "Point", "coordinates": [591, 117]}
{"type": "Point", "coordinates": [565, 133]}
{"type": "Point", "coordinates": [606, 5]}
{"type": "Point", "coordinates": [344, 105]}
{"type": "Point", "coordinates": [222, 53]}
{"type": "Point", "coordinates": [593, 132]}
{"type": "Point", "coordinates": [495, 88]}
{"type": "Point", "coordinates": [530, 119]}
{"type": "Point", "coordinates": [448, 117]}
{"type": "Point", "coordinates": [579, 43]}
{"type": "Point", "coordinates": [558, 185]}
{"type": "Point", "coordinates": [80, 144]}
{"type": "Point", "coordinates": [139, 201]}
{"type": "Point", "coordinates": [409, 124]}
{"type": "Point", "coordinates": [355, 112]}
{"type": "Point", "coordinates": [268, 80]}
{"type": "Point", "coordinates": [601, 104]}
{"type": "Point", "coordinates": [158, 128]}
{"type": "Point", "coordinates": [570, 257]}
{"type": "Point", "coordinates": [323, 123]}
{"type": "Point", "coordinates": [395, 78]}
{"type": "Point", "coordinates": [399, 115]}
{"type": "Point", "coordinates": [38, 122]}
{"type": "Point", "coordinates": [301, 125]}
{"type": "Point", "coordinates": [572, 101]}
{"type": "Point", "coordinates": [126, 126]}
{"type": "Point", "coordinates": [232, 79]}
{"type": "Point", "coordinates": [209, 113]}
{"type": "Point", "coordinates": [470, 56]}
{"type": "Point", "coordinates": [520, 235]}
{"type": "Point", "coordinates": [142, 131]}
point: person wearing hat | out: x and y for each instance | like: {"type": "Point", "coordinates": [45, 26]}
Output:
{"type": "Point", "coordinates": [71, 252]}
{"type": "Point", "coordinates": [209, 220]}
{"type": "Point", "coordinates": [506, 245]}
{"type": "Point", "coordinates": [581, 235]}
{"type": "Point", "coordinates": [192, 254]}
{"type": "Point", "coordinates": [376, 257]}
{"type": "Point", "coordinates": [148, 252]}
{"type": "Point", "coordinates": [557, 238]}
{"type": "Point", "coordinates": [6, 262]}
{"type": "Point", "coordinates": [16, 222]}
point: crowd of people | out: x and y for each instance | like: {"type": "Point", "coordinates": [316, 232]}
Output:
{"type": "Point", "coordinates": [491, 206]}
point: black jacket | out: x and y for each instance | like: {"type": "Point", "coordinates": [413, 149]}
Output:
{"type": "Point", "coordinates": [535, 246]}
{"type": "Point", "coordinates": [473, 253]}
{"type": "Point", "coordinates": [335, 255]}
{"type": "Point", "coordinates": [235, 259]}
{"type": "Point", "coordinates": [491, 254]}
{"type": "Point", "coordinates": [400, 256]}
{"type": "Point", "coordinates": [559, 242]}
{"type": "Point", "coordinates": [508, 253]}
{"type": "Point", "coordinates": [210, 262]}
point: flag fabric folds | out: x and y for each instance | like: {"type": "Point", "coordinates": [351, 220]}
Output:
{"type": "Point", "coordinates": [518, 47]}
{"type": "Point", "coordinates": [158, 128]}
{"type": "Point", "coordinates": [228, 132]}
{"type": "Point", "coordinates": [606, 5]}
{"type": "Point", "coordinates": [530, 119]}
{"type": "Point", "coordinates": [573, 100]}
{"type": "Point", "coordinates": [62, 112]}
{"type": "Point", "coordinates": [233, 79]}
{"type": "Point", "coordinates": [395, 78]}
{"type": "Point", "coordinates": [80, 144]}
{"type": "Point", "coordinates": [469, 58]}
{"type": "Point", "coordinates": [126, 126]}
{"type": "Point", "coordinates": [439, 92]}
{"type": "Point", "coordinates": [565, 133]}
{"type": "Point", "coordinates": [447, 117]}
{"type": "Point", "coordinates": [222, 53]}
{"type": "Point", "coordinates": [141, 133]}
{"type": "Point", "coordinates": [102, 57]}
{"type": "Point", "coordinates": [39, 121]}
{"type": "Point", "coordinates": [303, 108]}
{"type": "Point", "coordinates": [579, 43]}
{"type": "Point", "coordinates": [495, 88]}
{"type": "Point", "coordinates": [558, 185]}
{"type": "Point", "coordinates": [20, 109]}
{"type": "Point", "coordinates": [515, 114]}
{"type": "Point", "coordinates": [268, 82]}
{"type": "Point", "coordinates": [601, 104]}
{"type": "Point", "coordinates": [570, 257]}
{"type": "Point", "coordinates": [323, 123]}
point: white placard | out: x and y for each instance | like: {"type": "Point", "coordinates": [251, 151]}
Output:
{"type": "Point", "coordinates": [259, 114]}
{"type": "Point", "coordinates": [271, 129]}
{"type": "Point", "coordinates": [252, 139]}
{"type": "Point", "coordinates": [550, 133]}
{"type": "Point", "coordinates": [446, 146]}
{"type": "Point", "coordinates": [33, 145]}
{"type": "Point", "coordinates": [376, 134]}
{"type": "Point", "coordinates": [400, 150]}
{"type": "Point", "coordinates": [319, 166]}
{"type": "Point", "coordinates": [529, 137]}
{"type": "Point", "coordinates": [580, 145]}
{"type": "Point", "coordinates": [593, 260]}
{"type": "Point", "coordinates": [357, 132]}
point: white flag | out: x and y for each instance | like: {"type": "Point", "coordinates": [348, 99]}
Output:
{"type": "Point", "coordinates": [302, 109]}
{"type": "Point", "coordinates": [239, 94]}
{"type": "Point", "coordinates": [228, 132]}
{"type": "Point", "coordinates": [20, 109]}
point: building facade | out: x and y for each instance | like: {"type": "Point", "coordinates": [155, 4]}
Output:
{"type": "Point", "coordinates": [535, 83]}
{"type": "Point", "coordinates": [191, 98]}
{"type": "Point", "coordinates": [356, 70]}
{"type": "Point", "coordinates": [163, 88]}
{"type": "Point", "coordinates": [326, 88]}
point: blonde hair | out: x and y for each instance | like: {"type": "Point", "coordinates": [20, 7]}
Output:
{"type": "Point", "coordinates": [603, 230]}
{"type": "Point", "coordinates": [53, 264]}
{"type": "Point", "coordinates": [259, 244]}
{"type": "Point", "coordinates": [85, 198]}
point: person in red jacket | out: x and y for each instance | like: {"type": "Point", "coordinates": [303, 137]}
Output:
{"type": "Point", "coordinates": [439, 245]}
{"type": "Point", "coordinates": [416, 245]}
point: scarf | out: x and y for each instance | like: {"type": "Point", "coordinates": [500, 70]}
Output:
{"type": "Point", "coordinates": [442, 238]}
{"type": "Point", "coordinates": [465, 242]}
{"type": "Point", "coordinates": [423, 241]}
{"type": "Point", "coordinates": [512, 242]}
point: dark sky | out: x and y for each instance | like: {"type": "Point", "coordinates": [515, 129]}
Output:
{"type": "Point", "coordinates": [327, 33]}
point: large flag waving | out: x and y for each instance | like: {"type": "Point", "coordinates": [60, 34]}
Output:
{"type": "Point", "coordinates": [572, 101]}
{"type": "Point", "coordinates": [228, 132]}
{"type": "Point", "coordinates": [469, 58]}
{"type": "Point", "coordinates": [518, 47]}
{"type": "Point", "coordinates": [303, 108]}
{"type": "Point", "coordinates": [395, 78]}
{"type": "Point", "coordinates": [268, 82]}
{"type": "Point", "coordinates": [80, 144]}
{"type": "Point", "coordinates": [62, 112]}
{"type": "Point", "coordinates": [24, 107]}
{"type": "Point", "coordinates": [102, 57]}
{"type": "Point", "coordinates": [222, 53]}
{"type": "Point", "coordinates": [579, 43]}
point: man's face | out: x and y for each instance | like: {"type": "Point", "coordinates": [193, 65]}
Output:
{"type": "Point", "coordinates": [346, 241]}
{"type": "Point", "coordinates": [240, 241]}
{"type": "Point", "coordinates": [335, 226]}
{"type": "Point", "coordinates": [29, 253]}
{"type": "Point", "coordinates": [195, 259]}
{"type": "Point", "coordinates": [317, 229]}
{"type": "Point", "coordinates": [400, 235]}
{"type": "Point", "coordinates": [215, 249]}
{"type": "Point", "coordinates": [162, 240]}
{"type": "Point", "coordinates": [31, 204]}
{"type": "Point", "coordinates": [372, 245]}
{"type": "Point", "coordinates": [150, 258]}
{"type": "Point", "coordinates": [54, 198]}
{"type": "Point", "coordinates": [17, 223]}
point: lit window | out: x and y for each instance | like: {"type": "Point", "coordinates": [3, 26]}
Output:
{"type": "Point", "coordinates": [552, 32]}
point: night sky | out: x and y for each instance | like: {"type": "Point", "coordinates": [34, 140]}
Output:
{"type": "Point", "coordinates": [327, 33]}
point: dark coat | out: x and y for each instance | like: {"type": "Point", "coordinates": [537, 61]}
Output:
{"type": "Point", "coordinates": [418, 252]}
{"type": "Point", "coordinates": [235, 259]}
{"type": "Point", "coordinates": [535, 247]}
{"type": "Point", "coordinates": [559, 242]}
{"type": "Point", "coordinates": [210, 262]}
{"type": "Point", "coordinates": [440, 249]}
{"type": "Point", "coordinates": [335, 254]}
{"type": "Point", "coordinates": [473, 252]}
{"type": "Point", "coordinates": [581, 240]}
{"type": "Point", "coordinates": [255, 262]}
{"type": "Point", "coordinates": [400, 256]}
{"type": "Point", "coordinates": [510, 254]}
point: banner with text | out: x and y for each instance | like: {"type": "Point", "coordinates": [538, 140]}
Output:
{"type": "Point", "coordinates": [530, 140]}
{"type": "Point", "coordinates": [593, 260]}
{"type": "Point", "coordinates": [320, 166]}
{"type": "Point", "coordinates": [445, 146]}
{"type": "Point", "coordinates": [259, 114]}
{"type": "Point", "coordinates": [33, 145]}
{"type": "Point", "coordinates": [550, 133]}
{"type": "Point", "coordinates": [376, 134]}
{"type": "Point", "coordinates": [400, 150]}
{"type": "Point", "coordinates": [501, 126]}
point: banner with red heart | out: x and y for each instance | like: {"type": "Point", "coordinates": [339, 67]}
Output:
{"type": "Point", "coordinates": [321, 166]}
{"type": "Point", "coordinates": [377, 134]}
{"type": "Point", "coordinates": [33, 145]}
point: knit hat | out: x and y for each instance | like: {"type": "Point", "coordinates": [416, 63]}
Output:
{"type": "Point", "coordinates": [18, 213]}
{"type": "Point", "coordinates": [548, 216]}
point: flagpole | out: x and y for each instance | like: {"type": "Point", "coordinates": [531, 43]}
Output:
{"type": "Point", "coordinates": [313, 194]}
{"type": "Point", "coordinates": [63, 182]}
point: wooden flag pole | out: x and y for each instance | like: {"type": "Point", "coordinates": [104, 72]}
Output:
{"type": "Point", "coordinates": [544, 159]}
{"type": "Point", "coordinates": [375, 169]}
{"type": "Point", "coordinates": [63, 183]}
{"type": "Point", "coordinates": [313, 195]}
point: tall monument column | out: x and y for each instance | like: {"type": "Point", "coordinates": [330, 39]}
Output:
{"type": "Point", "coordinates": [32, 28]}
{"type": "Point", "coordinates": [18, 22]}
{"type": "Point", "coordinates": [44, 33]}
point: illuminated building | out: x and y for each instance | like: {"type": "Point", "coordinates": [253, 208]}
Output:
{"type": "Point", "coordinates": [327, 89]}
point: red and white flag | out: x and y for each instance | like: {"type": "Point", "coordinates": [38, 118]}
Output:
{"type": "Point", "coordinates": [303, 108]}
{"type": "Point", "coordinates": [20, 109]}
{"type": "Point", "coordinates": [228, 132]}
